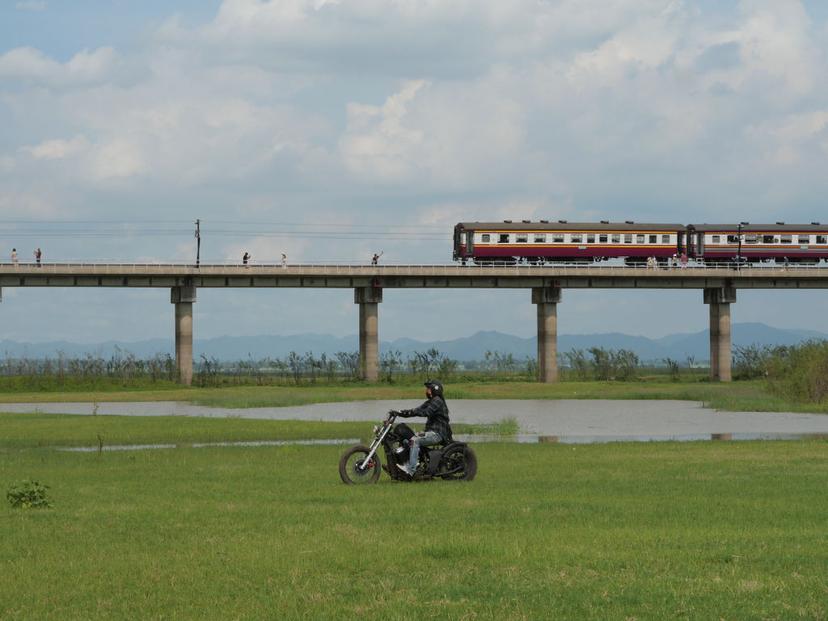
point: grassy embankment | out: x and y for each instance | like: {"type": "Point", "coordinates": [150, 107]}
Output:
{"type": "Point", "coordinates": [620, 531]}
{"type": "Point", "coordinates": [736, 396]}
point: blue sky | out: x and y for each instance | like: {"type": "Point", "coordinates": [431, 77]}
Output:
{"type": "Point", "coordinates": [318, 128]}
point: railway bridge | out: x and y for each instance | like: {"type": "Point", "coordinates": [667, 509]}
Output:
{"type": "Point", "coordinates": [718, 285]}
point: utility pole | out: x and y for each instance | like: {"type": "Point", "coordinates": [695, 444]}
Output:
{"type": "Point", "coordinates": [739, 251]}
{"type": "Point", "coordinates": [198, 242]}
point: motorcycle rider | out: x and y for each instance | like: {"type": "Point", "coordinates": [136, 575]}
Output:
{"type": "Point", "coordinates": [437, 428]}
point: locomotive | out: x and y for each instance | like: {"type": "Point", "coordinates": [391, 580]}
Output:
{"type": "Point", "coordinates": [509, 242]}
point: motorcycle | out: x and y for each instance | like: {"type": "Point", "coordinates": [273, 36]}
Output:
{"type": "Point", "coordinates": [450, 461]}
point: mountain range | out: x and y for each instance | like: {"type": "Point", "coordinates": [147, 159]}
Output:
{"type": "Point", "coordinates": [474, 347]}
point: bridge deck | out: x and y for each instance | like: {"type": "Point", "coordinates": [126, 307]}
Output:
{"type": "Point", "coordinates": [409, 276]}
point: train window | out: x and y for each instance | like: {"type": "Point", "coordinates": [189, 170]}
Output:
{"type": "Point", "coordinates": [751, 239]}
{"type": "Point", "coordinates": [627, 238]}
{"type": "Point", "coordinates": [715, 239]}
{"type": "Point", "coordinates": [540, 238]}
{"type": "Point", "coordinates": [503, 238]}
{"type": "Point", "coordinates": [558, 238]}
{"type": "Point", "coordinates": [602, 239]}
{"type": "Point", "coordinates": [521, 238]}
{"type": "Point", "coordinates": [576, 238]}
{"type": "Point", "coordinates": [590, 239]}
{"type": "Point", "coordinates": [732, 239]}
{"type": "Point", "coordinates": [486, 238]}
{"type": "Point", "coordinates": [804, 239]}
{"type": "Point", "coordinates": [822, 239]}
{"type": "Point", "coordinates": [768, 239]}
{"type": "Point", "coordinates": [785, 239]}
{"type": "Point", "coordinates": [616, 238]}
{"type": "Point", "coordinates": [665, 239]}
{"type": "Point", "coordinates": [639, 239]}
{"type": "Point", "coordinates": [653, 239]}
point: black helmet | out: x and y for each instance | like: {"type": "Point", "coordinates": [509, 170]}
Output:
{"type": "Point", "coordinates": [436, 387]}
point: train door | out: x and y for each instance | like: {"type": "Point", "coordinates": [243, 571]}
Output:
{"type": "Point", "coordinates": [469, 242]}
{"type": "Point", "coordinates": [680, 243]}
{"type": "Point", "coordinates": [699, 244]}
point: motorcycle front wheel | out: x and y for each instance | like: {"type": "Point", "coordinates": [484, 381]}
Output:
{"type": "Point", "coordinates": [354, 471]}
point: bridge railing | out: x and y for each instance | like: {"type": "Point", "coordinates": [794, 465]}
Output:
{"type": "Point", "coordinates": [386, 268]}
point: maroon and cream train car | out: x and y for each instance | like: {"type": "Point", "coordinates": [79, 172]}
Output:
{"type": "Point", "coordinates": [509, 242]}
{"type": "Point", "coordinates": [753, 243]}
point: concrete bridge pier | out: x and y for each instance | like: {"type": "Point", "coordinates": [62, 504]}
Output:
{"type": "Point", "coordinates": [368, 299]}
{"type": "Point", "coordinates": [547, 299]}
{"type": "Point", "coordinates": [721, 354]}
{"type": "Point", "coordinates": [183, 298]}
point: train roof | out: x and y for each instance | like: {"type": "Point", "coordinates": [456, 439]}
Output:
{"type": "Point", "coordinates": [569, 226]}
{"type": "Point", "coordinates": [758, 228]}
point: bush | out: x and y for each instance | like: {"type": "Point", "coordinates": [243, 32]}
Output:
{"type": "Point", "coordinates": [28, 495]}
{"type": "Point", "coordinates": [800, 372]}
{"type": "Point", "coordinates": [752, 361]}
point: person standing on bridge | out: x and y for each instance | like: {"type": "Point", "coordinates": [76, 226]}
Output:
{"type": "Point", "coordinates": [683, 260]}
{"type": "Point", "coordinates": [14, 257]}
{"type": "Point", "coordinates": [375, 258]}
{"type": "Point", "coordinates": [245, 258]}
{"type": "Point", "coordinates": [37, 255]}
{"type": "Point", "coordinates": [284, 261]}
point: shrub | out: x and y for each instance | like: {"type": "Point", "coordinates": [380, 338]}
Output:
{"type": "Point", "coordinates": [751, 361]}
{"type": "Point", "coordinates": [28, 495]}
{"type": "Point", "coordinates": [800, 372]}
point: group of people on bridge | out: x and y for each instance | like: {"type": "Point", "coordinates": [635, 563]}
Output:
{"type": "Point", "coordinates": [38, 255]}
{"type": "Point", "coordinates": [674, 261]}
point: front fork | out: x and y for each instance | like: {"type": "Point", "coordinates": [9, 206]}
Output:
{"type": "Point", "coordinates": [375, 445]}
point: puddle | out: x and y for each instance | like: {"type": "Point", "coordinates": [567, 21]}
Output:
{"type": "Point", "coordinates": [473, 439]}
{"type": "Point", "coordinates": [252, 443]}
{"type": "Point", "coordinates": [604, 439]}
{"type": "Point", "coordinates": [569, 420]}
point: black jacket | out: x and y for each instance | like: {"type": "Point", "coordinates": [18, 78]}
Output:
{"type": "Point", "coordinates": [437, 416]}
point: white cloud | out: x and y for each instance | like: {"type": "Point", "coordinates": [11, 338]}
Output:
{"type": "Point", "coordinates": [19, 205]}
{"type": "Point", "coordinates": [377, 142]}
{"type": "Point", "coordinates": [31, 5]}
{"type": "Point", "coordinates": [118, 159]}
{"type": "Point", "coordinates": [85, 67]}
{"type": "Point", "coordinates": [58, 149]}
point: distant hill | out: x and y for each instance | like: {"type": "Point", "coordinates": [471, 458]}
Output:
{"type": "Point", "coordinates": [474, 347]}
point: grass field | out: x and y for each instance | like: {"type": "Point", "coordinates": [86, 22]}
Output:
{"type": "Point", "coordinates": [736, 396]}
{"type": "Point", "coordinates": [617, 531]}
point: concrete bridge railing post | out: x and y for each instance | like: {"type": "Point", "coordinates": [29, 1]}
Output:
{"type": "Point", "coordinates": [721, 354]}
{"type": "Point", "coordinates": [183, 298]}
{"type": "Point", "coordinates": [368, 299]}
{"type": "Point", "coordinates": [546, 299]}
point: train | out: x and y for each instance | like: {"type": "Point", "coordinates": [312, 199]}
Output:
{"type": "Point", "coordinates": [524, 241]}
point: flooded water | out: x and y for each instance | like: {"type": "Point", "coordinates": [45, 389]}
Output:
{"type": "Point", "coordinates": [566, 421]}
{"type": "Point", "coordinates": [250, 443]}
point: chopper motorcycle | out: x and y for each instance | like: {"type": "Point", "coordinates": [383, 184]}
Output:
{"type": "Point", "coordinates": [450, 461]}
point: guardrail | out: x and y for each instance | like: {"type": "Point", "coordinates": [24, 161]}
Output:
{"type": "Point", "coordinates": [343, 268]}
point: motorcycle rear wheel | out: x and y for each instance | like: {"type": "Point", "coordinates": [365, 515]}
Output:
{"type": "Point", "coordinates": [459, 463]}
{"type": "Point", "coordinates": [349, 466]}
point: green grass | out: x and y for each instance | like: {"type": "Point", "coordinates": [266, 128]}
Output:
{"type": "Point", "coordinates": [735, 396]}
{"type": "Point", "coordinates": [617, 531]}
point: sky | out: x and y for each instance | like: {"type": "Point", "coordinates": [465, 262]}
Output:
{"type": "Point", "coordinates": [332, 130]}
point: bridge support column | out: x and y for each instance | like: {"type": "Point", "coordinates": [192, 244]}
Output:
{"type": "Point", "coordinates": [720, 336]}
{"type": "Point", "coordinates": [547, 299]}
{"type": "Point", "coordinates": [368, 299]}
{"type": "Point", "coordinates": [183, 298]}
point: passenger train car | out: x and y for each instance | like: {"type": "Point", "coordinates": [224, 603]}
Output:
{"type": "Point", "coordinates": [510, 242]}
